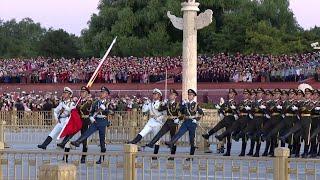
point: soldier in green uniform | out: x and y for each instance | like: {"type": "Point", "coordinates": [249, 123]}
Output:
{"type": "Point", "coordinates": [315, 125]}
{"type": "Point", "coordinates": [243, 111]}
{"type": "Point", "coordinates": [228, 114]}
{"type": "Point", "coordinates": [274, 117]}
{"type": "Point", "coordinates": [173, 117]}
{"type": "Point", "coordinates": [302, 126]}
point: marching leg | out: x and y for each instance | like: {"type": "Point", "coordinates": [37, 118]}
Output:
{"type": "Point", "coordinates": [243, 147]}
{"type": "Point", "coordinates": [64, 141]}
{"type": "Point", "coordinates": [252, 143]}
{"type": "Point", "coordinates": [266, 150]}
{"type": "Point", "coordinates": [45, 143]}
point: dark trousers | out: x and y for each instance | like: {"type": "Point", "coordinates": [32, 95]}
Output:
{"type": "Point", "coordinates": [226, 122]}
{"type": "Point", "coordinates": [187, 125]}
{"type": "Point", "coordinates": [282, 127]}
{"type": "Point", "coordinates": [169, 125]}
{"type": "Point", "coordinates": [100, 125]}
{"type": "Point", "coordinates": [236, 127]}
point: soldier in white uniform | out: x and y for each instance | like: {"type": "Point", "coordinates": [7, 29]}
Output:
{"type": "Point", "coordinates": [156, 118]}
{"type": "Point", "coordinates": [61, 115]}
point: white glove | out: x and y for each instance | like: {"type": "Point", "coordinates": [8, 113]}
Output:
{"type": "Point", "coordinates": [279, 107]}
{"type": "Point", "coordinates": [236, 117]}
{"type": "Point", "coordinates": [262, 107]}
{"type": "Point", "coordinates": [103, 107]}
{"type": "Point", "coordinates": [294, 108]}
{"type": "Point", "coordinates": [267, 116]}
{"type": "Point", "coordinates": [194, 121]}
{"type": "Point", "coordinates": [233, 107]}
{"type": "Point", "coordinates": [247, 108]}
{"type": "Point", "coordinates": [176, 121]}
{"type": "Point", "coordinates": [317, 108]}
{"type": "Point", "coordinates": [221, 101]}
{"type": "Point", "coordinates": [221, 116]}
{"type": "Point", "coordinates": [184, 102]}
{"type": "Point", "coordinates": [217, 106]}
{"type": "Point", "coordinates": [250, 116]}
{"type": "Point", "coordinates": [165, 101]}
{"type": "Point", "coordinates": [92, 119]}
{"type": "Point", "coordinates": [283, 116]}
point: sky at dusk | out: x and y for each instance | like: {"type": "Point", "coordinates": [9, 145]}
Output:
{"type": "Point", "coordinates": [73, 15]}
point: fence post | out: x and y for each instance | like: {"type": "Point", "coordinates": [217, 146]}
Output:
{"type": "Point", "coordinates": [132, 117]}
{"type": "Point", "coordinates": [280, 164]}
{"type": "Point", "coordinates": [130, 152]}
{"type": "Point", "coordinates": [58, 172]}
{"type": "Point", "coordinates": [2, 123]}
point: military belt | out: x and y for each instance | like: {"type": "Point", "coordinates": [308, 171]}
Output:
{"type": "Point", "coordinates": [85, 116]}
{"type": "Point", "coordinates": [258, 115]}
{"type": "Point", "coordinates": [243, 114]}
{"type": "Point", "coordinates": [191, 117]}
{"type": "Point", "coordinates": [289, 114]}
{"type": "Point", "coordinates": [275, 114]}
{"type": "Point", "coordinates": [101, 116]}
{"type": "Point", "coordinates": [172, 117]}
{"type": "Point", "coordinates": [315, 116]}
{"type": "Point", "coordinates": [228, 114]}
{"type": "Point", "coordinates": [305, 115]}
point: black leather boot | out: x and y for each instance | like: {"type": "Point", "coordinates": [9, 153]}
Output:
{"type": "Point", "coordinates": [228, 149]}
{"type": "Point", "coordinates": [243, 148]}
{"type": "Point", "coordinates": [251, 148]}
{"type": "Point", "coordinates": [297, 150]}
{"type": "Point", "coordinates": [45, 143]}
{"type": "Point", "coordinates": [64, 142]}
{"type": "Point", "coordinates": [66, 156]}
{"type": "Point", "coordinates": [135, 140]}
{"type": "Point", "coordinates": [173, 151]}
{"type": "Point", "coordinates": [101, 159]}
{"type": "Point", "coordinates": [192, 150]}
{"type": "Point", "coordinates": [257, 150]}
{"type": "Point", "coordinates": [83, 157]}
{"type": "Point", "coordinates": [305, 151]}
{"type": "Point", "coordinates": [155, 151]}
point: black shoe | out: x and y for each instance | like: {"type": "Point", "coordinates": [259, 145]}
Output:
{"type": "Point", "coordinates": [264, 138]}
{"type": "Point", "coordinates": [154, 158]}
{"type": "Point", "coordinates": [61, 145]}
{"type": "Point", "coordinates": [313, 155]}
{"type": "Point", "coordinates": [189, 159]}
{"type": "Point", "coordinates": [242, 154]}
{"type": "Point", "coordinates": [205, 136]}
{"type": "Point", "coordinates": [171, 159]}
{"type": "Point", "coordinates": [75, 143]}
{"type": "Point", "coordinates": [83, 160]}
{"type": "Point", "coordinates": [149, 145]}
{"type": "Point", "coordinates": [304, 155]}
{"type": "Point", "coordinates": [265, 154]}
{"type": "Point", "coordinates": [256, 155]}
{"type": "Point", "coordinates": [218, 137]}
{"type": "Point", "coordinates": [45, 143]}
{"type": "Point", "coordinates": [101, 159]}
{"type": "Point", "coordinates": [135, 140]}
{"type": "Point", "coordinates": [226, 154]}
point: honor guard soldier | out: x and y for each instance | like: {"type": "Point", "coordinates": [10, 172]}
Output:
{"type": "Point", "coordinates": [255, 126]}
{"type": "Point", "coordinates": [294, 133]}
{"type": "Point", "coordinates": [193, 113]}
{"type": "Point", "coordinates": [84, 110]}
{"type": "Point", "coordinates": [61, 114]}
{"type": "Point", "coordinates": [173, 117]}
{"type": "Point", "coordinates": [98, 117]}
{"type": "Point", "coordinates": [228, 115]}
{"type": "Point", "coordinates": [315, 125]}
{"type": "Point", "coordinates": [157, 116]}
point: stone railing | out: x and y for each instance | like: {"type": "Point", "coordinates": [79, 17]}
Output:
{"type": "Point", "coordinates": [129, 164]}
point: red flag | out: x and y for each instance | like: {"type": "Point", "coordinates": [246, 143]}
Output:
{"type": "Point", "coordinates": [74, 124]}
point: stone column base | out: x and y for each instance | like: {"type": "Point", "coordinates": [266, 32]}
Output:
{"type": "Point", "coordinates": [58, 172]}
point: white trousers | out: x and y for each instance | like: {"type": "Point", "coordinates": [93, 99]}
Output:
{"type": "Point", "coordinates": [58, 128]}
{"type": "Point", "coordinates": [151, 126]}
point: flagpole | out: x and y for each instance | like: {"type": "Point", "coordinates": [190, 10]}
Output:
{"type": "Point", "coordinates": [92, 79]}
{"type": "Point", "coordinates": [166, 85]}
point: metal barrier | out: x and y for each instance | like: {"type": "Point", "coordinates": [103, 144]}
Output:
{"type": "Point", "coordinates": [303, 168]}
{"type": "Point", "coordinates": [131, 165]}
{"type": "Point", "coordinates": [119, 118]}
{"type": "Point", "coordinates": [25, 164]}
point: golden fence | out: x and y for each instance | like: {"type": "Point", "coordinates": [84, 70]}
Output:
{"type": "Point", "coordinates": [31, 127]}
{"type": "Point", "coordinates": [129, 164]}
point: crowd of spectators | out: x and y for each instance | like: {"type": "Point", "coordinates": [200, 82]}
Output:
{"type": "Point", "coordinates": [216, 68]}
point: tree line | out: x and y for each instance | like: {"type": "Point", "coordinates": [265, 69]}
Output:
{"type": "Point", "coordinates": [143, 29]}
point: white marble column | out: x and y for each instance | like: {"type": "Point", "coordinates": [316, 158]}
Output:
{"type": "Point", "coordinates": [190, 23]}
